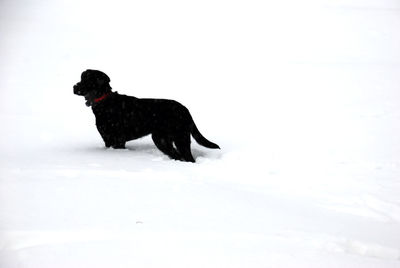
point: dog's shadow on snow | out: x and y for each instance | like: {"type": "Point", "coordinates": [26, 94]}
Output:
{"type": "Point", "coordinates": [146, 148]}
{"type": "Point", "coordinates": [149, 148]}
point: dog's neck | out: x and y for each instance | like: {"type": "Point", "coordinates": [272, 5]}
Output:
{"type": "Point", "coordinates": [102, 97]}
{"type": "Point", "coordinates": [93, 101]}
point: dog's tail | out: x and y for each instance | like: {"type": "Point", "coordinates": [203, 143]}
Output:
{"type": "Point", "coordinates": [201, 139]}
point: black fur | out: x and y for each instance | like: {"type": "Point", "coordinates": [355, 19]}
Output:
{"type": "Point", "coordinates": [120, 118]}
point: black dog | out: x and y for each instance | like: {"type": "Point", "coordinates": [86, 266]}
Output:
{"type": "Point", "coordinates": [120, 118]}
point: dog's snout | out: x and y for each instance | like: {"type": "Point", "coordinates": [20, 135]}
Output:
{"type": "Point", "coordinates": [76, 89]}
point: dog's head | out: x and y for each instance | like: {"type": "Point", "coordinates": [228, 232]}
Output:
{"type": "Point", "coordinates": [94, 84]}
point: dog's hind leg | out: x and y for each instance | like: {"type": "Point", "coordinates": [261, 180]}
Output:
{"type": "Point", "coordinates": [182, 144]}
{"type": "Point", "coordinates": [165, 145]}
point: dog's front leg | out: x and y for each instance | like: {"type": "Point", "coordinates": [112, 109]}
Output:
{"type": "Point", "coordinates": [118, 146]}
{"type": "Point", "coordinates": [114, 143]}
{"type": "Point", "coordinates": [111, 139]}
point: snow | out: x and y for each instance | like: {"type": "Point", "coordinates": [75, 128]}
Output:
{"type": "Point", "coordinates": [302, 97]}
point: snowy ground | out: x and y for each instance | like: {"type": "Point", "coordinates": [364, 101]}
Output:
{"type": "Point", "coordinates": [303, 99]}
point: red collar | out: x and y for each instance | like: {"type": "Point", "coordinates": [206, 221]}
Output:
{"type": "Point", "coordinates": [101, 98]}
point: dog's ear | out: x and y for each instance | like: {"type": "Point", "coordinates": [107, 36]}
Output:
{"type": "Point", "coordinates": [102, 79]}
